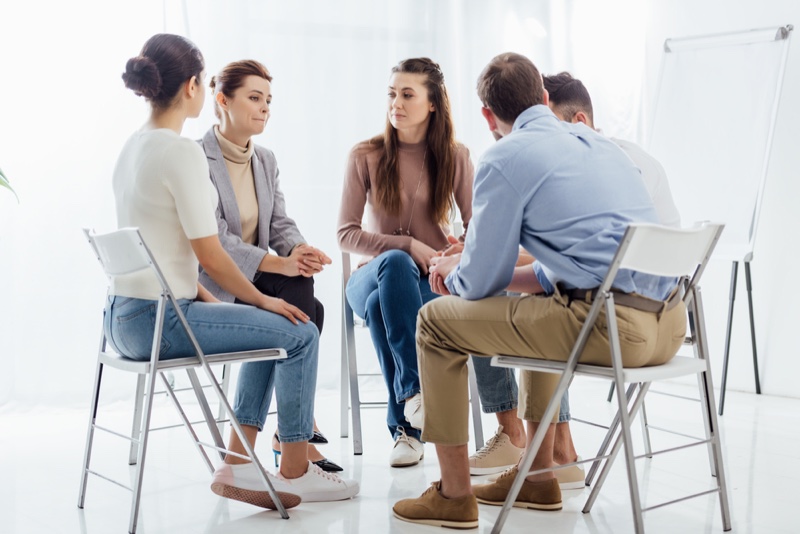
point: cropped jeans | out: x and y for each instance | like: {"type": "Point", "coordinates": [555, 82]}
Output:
{"type": "Point", "coordinates": [498, 391]}
{"type": "Point", "coordinates": [129, 325]}
{"type": "Point", "coordinates": [387, 293]}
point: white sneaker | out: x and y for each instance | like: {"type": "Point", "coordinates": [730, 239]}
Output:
{"type": "Point", "coordinates": [497, 455]}
{"type": "Point", "coordinates": [407, 451]}
{"type": "Point", "coordinates": [319, 486]}
{"type": "Point", "coordinates": [413, 411]}
{"type": "Point", "coordinates": [242, 482]}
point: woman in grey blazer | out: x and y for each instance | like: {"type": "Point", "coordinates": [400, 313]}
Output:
{"type": "Point", "coordinates": [251, 215]}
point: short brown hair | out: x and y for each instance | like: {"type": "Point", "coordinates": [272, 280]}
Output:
{"type": "Point", "coordinates": [509, 85]}
{"type": "Point", "coordinates": [232, 76]}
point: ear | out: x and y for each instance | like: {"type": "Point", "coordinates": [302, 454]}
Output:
{"type": "Point", "coordinates": [222, 101]}
{"type": "Point", "coordinates": [191, 86]}
{"type": "Point", "coordinates": [581, 117]}
{"type": "Point", "coordinates": [546, 98]}
{"type": "Point", "coordinates": [433, 108]}
{"type": "Point", "coordinates": [490, 117]}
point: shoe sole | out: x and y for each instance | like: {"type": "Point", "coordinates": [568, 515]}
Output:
{"type": "Point", "coordinates": [328, 496]}
{"type": "Point", "coordinates": [478, 471]}
{"type": "Point", "coordinates": [578, 484]}
{"type": "Point", "coordinates": [261, 499]}
{"type": "Point", "coordinates": [529, 505]}
{"type": "Point", "coordinates": [408, 464]}
{"type": "Point", "coordinates": [458, 525]}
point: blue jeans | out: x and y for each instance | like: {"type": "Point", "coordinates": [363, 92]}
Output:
{"type": "Point", "coordinates": [129, 325]}
{"type": "Point", "coordinates": [387, 293]}
{"type": "Point", "coordinates": [497, 388]}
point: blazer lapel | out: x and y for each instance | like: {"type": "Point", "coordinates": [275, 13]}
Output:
{"type": "Point", "coordinates": [262, 197]}
{"type": "Point", "coordinates": [222, 180]}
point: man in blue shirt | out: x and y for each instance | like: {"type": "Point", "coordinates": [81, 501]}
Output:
{"type": "Point", "coordinates": [566, 195]}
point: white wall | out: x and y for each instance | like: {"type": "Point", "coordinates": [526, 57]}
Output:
{"type": "Point", "coordinates": [777, 254]}
{"type": "Point", "coordinates": [66, 114]}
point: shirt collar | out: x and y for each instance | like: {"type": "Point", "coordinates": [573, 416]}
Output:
{"type": "Point", "coordinates": [531, 114]}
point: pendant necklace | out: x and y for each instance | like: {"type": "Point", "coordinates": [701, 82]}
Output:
{"type": "Point", "coordinates": [407, 231]}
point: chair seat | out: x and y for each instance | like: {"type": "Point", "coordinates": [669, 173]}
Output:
{"type": "Point", "coordinates": [677, 366]}
{"type": "Point", "coordinates": [143, 367]}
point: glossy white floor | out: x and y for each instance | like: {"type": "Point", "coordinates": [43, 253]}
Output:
{"type": "Point", "coordinates": [41, 456]}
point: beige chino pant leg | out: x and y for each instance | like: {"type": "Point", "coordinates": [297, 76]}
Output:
{"type": "Point", "coordinates": [451, 328]}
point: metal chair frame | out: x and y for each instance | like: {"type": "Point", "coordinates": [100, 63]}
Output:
{"type": "Point", "coordinates": [687, 251]}
{"type": "Point", "coordinates": [124, 252]}
{"type": "Point", "coordinates": [350, 376]}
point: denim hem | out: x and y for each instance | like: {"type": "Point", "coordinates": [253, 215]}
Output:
{"type": "Point", "coordinates": [297, 438]}
{"type": "Point", "coordinates": [564, 418]}
{"type": "Point", "coordinates": [252, 422]}
{"type": "Point", "coordinates": [505, 407]}
{"type": "Point", "coordinates": [410, 432]}
{"type": "Point", "coordinates": [407, 395]}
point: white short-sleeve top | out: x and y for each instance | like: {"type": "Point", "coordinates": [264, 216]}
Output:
{"type": "Point", "coordinates": [162, 186]}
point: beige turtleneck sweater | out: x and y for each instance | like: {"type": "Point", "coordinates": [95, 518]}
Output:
{"type": "Point", "coordinates": [240, 169]}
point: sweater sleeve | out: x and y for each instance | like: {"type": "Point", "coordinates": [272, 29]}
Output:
{"type": "Point", "coordinates": [351, 236]}
{"type": "Point", "coordinates": [184, 174]}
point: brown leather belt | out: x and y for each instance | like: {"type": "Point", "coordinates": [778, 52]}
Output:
{"type": "Point", "coordinates": [630, 300]}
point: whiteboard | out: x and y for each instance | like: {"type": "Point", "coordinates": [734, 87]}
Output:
{"type": "Point", "coordinates": [712, 127]}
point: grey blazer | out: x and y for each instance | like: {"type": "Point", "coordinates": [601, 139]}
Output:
{"type": "Point", "coordinates": [275, 228]}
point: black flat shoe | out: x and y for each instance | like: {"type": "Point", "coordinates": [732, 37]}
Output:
{"type": "Point", "coordinates": [327, 465]}
{"type": "Point", "coordinates": [318, 438]}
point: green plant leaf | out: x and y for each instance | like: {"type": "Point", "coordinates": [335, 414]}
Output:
{"type": "Point", "coordinates": [4, 183]}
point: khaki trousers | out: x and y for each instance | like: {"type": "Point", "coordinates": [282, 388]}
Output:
{"type": "Point", "coordinates": [451, 328]}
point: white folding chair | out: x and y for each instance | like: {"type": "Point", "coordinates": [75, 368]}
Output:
{"type": "Point", "coordinates": [350, 376]}
{"type": "Point", "coordinates": [654, 250]}
{"type": "Point", "coordinates": [124, 252]}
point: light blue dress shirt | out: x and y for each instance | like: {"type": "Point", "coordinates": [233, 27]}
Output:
{"type": "Point", "coordinates": [563, 192]}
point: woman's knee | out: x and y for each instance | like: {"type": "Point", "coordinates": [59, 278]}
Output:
{"type": "Point", "coordinates": [396, 261]}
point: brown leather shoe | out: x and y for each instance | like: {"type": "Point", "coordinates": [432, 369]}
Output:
{"type": "Point", "coordinates": [432, 508]}
{"type": "Point", "coordinates": [545, 495]}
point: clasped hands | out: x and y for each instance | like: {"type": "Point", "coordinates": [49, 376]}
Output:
{"type": "Point", "coordinates": [443, 263]}
{"type": "Point", "coordinates": [306, 261]}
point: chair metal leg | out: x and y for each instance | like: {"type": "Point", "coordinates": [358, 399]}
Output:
{"type": "Point", "coordinates": [202, 401]}
{"type": "Point", "coordinates": [186, 423]}
{"type": "Point", "coordinates": [137, 420]}
{"type": "Point", "coordinates": [352, 363]}
{"type": "Point", "coordinates": [225, 386]}
{"type": "Point", "coordinates": [648, 450]}
{"type": "Point", "coordinates": [610, 392]}
{"type": "Point", "coordinates": [625, 419]}
{"type": "Point", "coordinates": [612, 430]}
{"type": "Point", "coordinates": [87, 451]}
{"type": "Point", "coordinates": [475, 402]}
{"type": "Point", "coordinates": [710, 414]}
{"type": "Point", "coordinates": [734, 273]}
{"type": "Point", "coordinates": [344, 390]}
{"type": "Point", "coordinates": [145, 434]}
{"type": "Point", "coordinates": [749, 283]}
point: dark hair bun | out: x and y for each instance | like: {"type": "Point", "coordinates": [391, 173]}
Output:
{"type": "Point", "coordinates": [142, 77]}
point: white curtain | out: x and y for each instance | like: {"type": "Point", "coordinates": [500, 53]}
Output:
{"type": "Point", "coordinates": [67, 115]}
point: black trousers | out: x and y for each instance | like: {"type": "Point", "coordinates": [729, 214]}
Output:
{"type": "Point", "coordinates": [296, 290]}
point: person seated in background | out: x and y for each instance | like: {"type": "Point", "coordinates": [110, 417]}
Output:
{"type": "Point", "coordinates": [251, 216]}
{"type": "Point", "coordinates": [570, 101]}
{"type": "Point", "coordinates": [566, 195]}
{"type": "Point", "coordinates": [408, 180]}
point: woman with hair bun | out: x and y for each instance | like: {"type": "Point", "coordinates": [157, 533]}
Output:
{"type": "Point", "coordinates": [251, 216]}
{"type": "Point", "coordinates": [408, 179]}
{"type": "Point", "coordinates": [161, 186]}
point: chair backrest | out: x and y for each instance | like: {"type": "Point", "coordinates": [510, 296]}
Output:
{"type": "Point", "coordinates": [665, 251]}
{"type": "Point", "coordinates": [122, 252]}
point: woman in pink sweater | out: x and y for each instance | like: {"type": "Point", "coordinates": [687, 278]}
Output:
{"type": "Point", "coordinates": [408, 180]}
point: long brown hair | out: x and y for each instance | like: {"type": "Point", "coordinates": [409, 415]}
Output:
{"type": "Point", "coordinates": [440, 139]}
